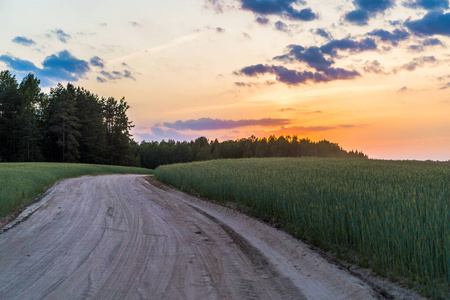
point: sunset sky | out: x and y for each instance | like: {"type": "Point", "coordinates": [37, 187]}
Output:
{"type": "Point", "coordinates": [371, 75]}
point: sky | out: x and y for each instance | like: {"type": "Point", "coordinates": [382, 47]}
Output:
{"type": "Point", "coordinates": [371, 75]}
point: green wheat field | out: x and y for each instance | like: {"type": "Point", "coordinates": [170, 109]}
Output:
{"type": "Point", "coordinates": [391, 216]}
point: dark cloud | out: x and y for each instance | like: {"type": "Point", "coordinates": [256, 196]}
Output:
{"type": "Point", "coordinates": [101, 80]}
{"type": "Point", "coordinates": [393, 37]}
{"type": "Point", "coordinates": [220, 30]}
{"type": "Point", "coordinates": [97, 62]}
{"type": "Point", "coordinates": [23, 41]}
{"type": "Point", "coordinates": [427, 4]}
{"type": "Point", "coordinates": [217, 124]}
{"type": "Point", "coordinates": [426, 43]}
{"type": "Point", "coordinates": [317, 58]}
{"type": "Point", "coordinates": [358, 17]}
{"type": "Point", "coordinates": [66, 63]}
{"type": "Point", "coordinates": [280, 26]}
{"type": "Point", "coordinates": [287, 109]}
{"type": "Point", "coordinates": [61, 35]}
{"type": "Point", "coordinates": [434, 22]}
{"type": "Point", "coordinates": [418, 62]}
{"type": "Point", "coordinates": [323, 33]}
{"type": "Point", "coordinates": [293, 77]}
{"type": "Point", "coordinates": [366, 9]}
{"type": "Point", "coordinates": [348, 44]}
{"type": "Point", "coordinates": [283, 8]}
{"type": "Point", "coordinates": [56, 67]}
{"type": "Point", "coordinates": [403, 90]}
{"type": "Point", "coordinates": [262, 20]}
{"type": "Point", "coordinates": [313, 56]}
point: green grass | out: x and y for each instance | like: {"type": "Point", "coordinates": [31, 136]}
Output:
{"type": "Point", "coordinates": [392, 216]}
{"type": "Point", "coordinates": [21, 183]}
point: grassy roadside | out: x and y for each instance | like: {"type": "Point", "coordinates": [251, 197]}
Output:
{"type": "Point", "coordinates": [391, 216]}
{"type": "Point", "coordinates": [22, 183]}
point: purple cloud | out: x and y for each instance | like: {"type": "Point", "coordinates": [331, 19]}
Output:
{"type": "Point", "coordinates": [217, 124]}
{"type": "Point", "coordinates": [393, 37]}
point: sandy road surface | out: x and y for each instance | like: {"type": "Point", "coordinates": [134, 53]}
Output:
{"type": "Point", "coordinates": [120, 237]}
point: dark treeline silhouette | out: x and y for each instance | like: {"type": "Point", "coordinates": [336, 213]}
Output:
{"type": "Point", "coordinates": [154, 154]}
{"type": "Point", "coordinates": [73, 125]}
{"type": "Point", "coordinates": [67, 125]}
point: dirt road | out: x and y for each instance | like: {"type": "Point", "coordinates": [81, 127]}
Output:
{"type": "Point", "coordinates": [121, 237]}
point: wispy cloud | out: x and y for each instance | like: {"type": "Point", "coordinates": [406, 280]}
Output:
{"type": "Point", "coordinates": [61, 35]}
{"type": "Point", "coordinates": [171, 44]}
{"type": "Point", "coordinates": [23, 41]}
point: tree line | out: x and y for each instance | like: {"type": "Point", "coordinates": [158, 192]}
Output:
{"type": "Point", "coordinates": [154, 154]}
{"type": "Point", "coordinates": [67, 125]}
{"type": "Point", "coordinates": [71, 124]}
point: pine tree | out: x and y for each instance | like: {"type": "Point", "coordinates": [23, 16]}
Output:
{"type": "Point", "coordinates": [62, 125]}
{"type": "Point", "coordinates": [30, 131]}
{"type": "Point", "coordinates": [9, 121]}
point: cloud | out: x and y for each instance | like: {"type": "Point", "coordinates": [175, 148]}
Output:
{"type": "Point", "coordinates": [358, 17]}
{"type": "Point", "coordinates": [314, 57]}
{"type": "Point", "coordinates": [392, 37]}
{"type": "Point", "coordinates": [217, 124]}
{"type": "Point", "coordinates": [293, 77]}
{"type": "Point", "coordinates": [61, 35]}
{"type": "Point", "coordinates": [434, 22]}
{"type": "Point", "coordinates": [114, 75]}
{"type": "Point", "coordinates": [418, 62]}
{"type": "Point", "coordinates": [427, 4]}
{"type": "Point", "coordinates": [426, 43]}
{"type": "Point", "coordinates": [366, 9]}
{"type": "Point", "coordinates": [280, 26]}
{"type": "Point", "coordinates": [18, 64]}
{"type": "Point", "coordinates": [321, 32]}
{"type": "Point", "coordinates": [66, 63]}
{"type": "Point", "coordinates": [135, 24]}
{"type": "Point", "coordinates": [60, 66]}
{"type": "Point", "coordinates": [23, 41]}
{"type": "Point", "coordinates": [447, 86]}
{"type": "Point", "coordinates": [97, 62]}
{"type": "Point", "coordinates": [262, 21]}
{"type": "Point", "coordinates": [403, 90]}
{"type": "Point", "coordinates": [243, 84]}
{"type": "Point", "coordinates": [287, 109]}
{"type": "Point", "coordinates": [373, 67]}
{"type": "Point", "coordinates": [348, 44]}
{"type": "Point", "coordinates": [220, 30]}
{"type": "Point", "coordinates": [284, 8]}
